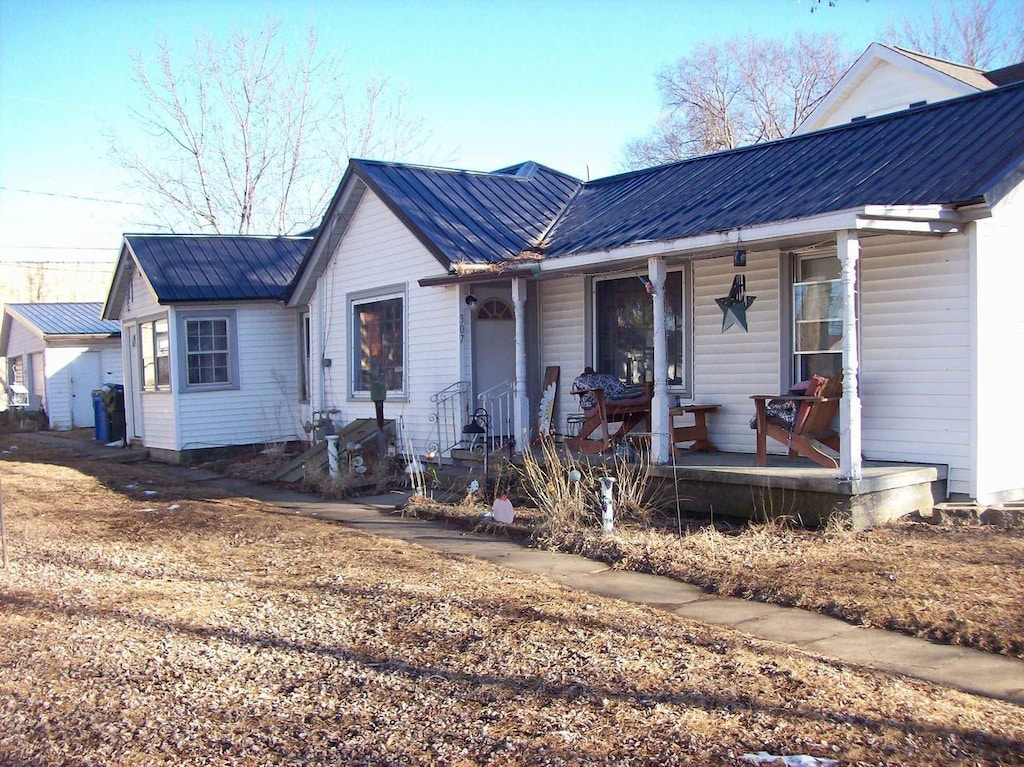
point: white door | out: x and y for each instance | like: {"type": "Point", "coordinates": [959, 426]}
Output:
{"type": "Point", "coordinates": [134, 406]}
{"type": "Point", "coordinates": [86, 375]}
{"type": "Point", "coordinates": [494, 354]}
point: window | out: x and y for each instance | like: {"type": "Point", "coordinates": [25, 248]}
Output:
{"type": "Point", "coordinates": [208, 350]}
{"type": "Point", "coordinates": [624, 329]}
{"type": "Point", "coordinates": [378, 332]}
{"type": "Point", "coordinates": [156, 355]}
{"type": "Point", "coordinates": [304, 358]}
{"type": "Point", "coordinates": [817, 318]}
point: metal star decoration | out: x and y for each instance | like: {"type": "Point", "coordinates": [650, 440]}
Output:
{"type": "Point", "coordinates": [734, 306]}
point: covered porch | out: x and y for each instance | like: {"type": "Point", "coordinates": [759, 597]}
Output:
{"type": "Point", "coordinates": [726, 484]}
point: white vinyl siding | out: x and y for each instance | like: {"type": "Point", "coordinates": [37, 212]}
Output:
{"type": "Point", "coordinates": [915, 381]}
{"type": "Point", "coordinates": [264, 408]}
{"type": "Point", "coordinates": [563, 338]}
{"type": "Point", "coordinates": [729, 367]}
{"type": "Point", "coordinates": [377, 251]}
{"type": "Point", "coordinates": [887, 88]}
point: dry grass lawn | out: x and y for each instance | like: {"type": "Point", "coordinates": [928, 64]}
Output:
{"type": "Point", "coordinates": [149, 621]}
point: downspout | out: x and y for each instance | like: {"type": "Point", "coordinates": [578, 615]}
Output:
{"type": "Point", "coordinates": [848, 250]}
{"type": "Point", "coordinates": [659, 405]}
{"type": "Point", "coordinates": [521, 405]}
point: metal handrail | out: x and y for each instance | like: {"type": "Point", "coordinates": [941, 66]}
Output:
{"type": "Point", "coordinates": [451, 411]}
{"type": "Point", "coordinates": [497, 401]}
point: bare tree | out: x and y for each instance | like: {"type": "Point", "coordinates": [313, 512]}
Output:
{"type": "Point", "coordinates": [243, 137]}
{"type": "Point", "coordinates": [979, 33]}
{"type": "Point", "coordinates": [738, 92]}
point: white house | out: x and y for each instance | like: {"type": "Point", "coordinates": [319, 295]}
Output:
{"type": "Point", "coordinates": [887, 79]}
{"type": "Point", "coordinates": [886, 248]}
{"type": "Point", "coordinates": [212, 356]}
{"type": "Point", "coordinates": [57, 355]}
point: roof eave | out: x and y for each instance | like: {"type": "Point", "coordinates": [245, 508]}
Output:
{"type": "Point", "coordinates": [480, 275]}
{"type": "Point", "coordinates": [933, 220]}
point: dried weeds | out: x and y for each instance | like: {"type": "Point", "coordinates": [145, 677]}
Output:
{"type": "Point", "coordinates": [149, 621]}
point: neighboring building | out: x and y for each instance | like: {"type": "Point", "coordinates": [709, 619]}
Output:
{"type": "Point", "coordinates": [888, 79]}
{"type": "Point", "coordinates": [60, 353]}
{"type": "Point", "coordinates": [886, 248]}
{"type": "Point", "coordinates": [212, 356]}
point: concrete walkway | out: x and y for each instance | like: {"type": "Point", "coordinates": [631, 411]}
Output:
{"type": "Point", "coordinates": [973, 671]}
{"type": "Point", "coordinates": [981, 673]}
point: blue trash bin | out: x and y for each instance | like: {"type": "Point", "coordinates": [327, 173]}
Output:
{"type": "Point", "coordinates": [101, 418]}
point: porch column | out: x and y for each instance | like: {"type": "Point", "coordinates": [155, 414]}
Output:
{"type": "Point", "coordinates": [848, 250]}
{"type": "Point", "coordinates": [659, 405]}
{"type": "Point", "coordinates": [521, 402]}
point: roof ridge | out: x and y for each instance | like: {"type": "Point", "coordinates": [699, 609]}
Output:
{"type": "Point", "coordinates": [847, 126]}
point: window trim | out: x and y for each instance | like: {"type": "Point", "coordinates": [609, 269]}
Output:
{"type": "Point", "coordinates": [356, 298]}
{"type": "Point", "coordinates": [794, 279]}
{"type": "Point", "coordinates": [181, 320]}
{"type": "Point", "coordinates": [685, 389]}
{"type": "Point", "coordinates": [305, 351]}
{"type": "Point", "coordinates": [150, 338]}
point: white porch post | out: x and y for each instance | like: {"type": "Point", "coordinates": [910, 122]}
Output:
{"type": "Point", "coordinates": [659, 405]}
{"type": "Point", "coordinates": [848, 250]}
{"type": "Point", "coordinates": [521, 403]}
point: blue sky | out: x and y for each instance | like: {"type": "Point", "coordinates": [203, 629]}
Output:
{"type": "Point", "coordinates": [565, 83]}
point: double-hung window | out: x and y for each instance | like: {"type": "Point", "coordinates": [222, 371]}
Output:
{"type": "Point", "coordinates": [817, 318]}
{"type": "Point", "coordinates": [209, 355]}
{"type": "Point", "coordinates": [155, 340]}
{"type": "Point", "coordinates": [624, 329]}
{"type": "Point", "coordinates": [378, 333]}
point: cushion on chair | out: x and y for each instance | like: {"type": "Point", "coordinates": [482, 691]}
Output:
{"type": "Point", "coordinates": [783, 412]}
{"type": "Point", "coordinates": [613, 388]}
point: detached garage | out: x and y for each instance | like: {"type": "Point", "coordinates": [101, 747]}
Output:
{"type": "Point", "coordinates": [57, 355]}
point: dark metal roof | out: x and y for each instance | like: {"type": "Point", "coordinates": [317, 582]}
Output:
{"type": "Point", "coordinates": [1006, 75]}
{"type": "Point", "coordinates": [67, 319]}
{"type": "Point", "coordinates": [953, 152]}
{"type": "Point", "coordinates": [217, 267]}
{"type": "Point", "coordinates": [478, 218]}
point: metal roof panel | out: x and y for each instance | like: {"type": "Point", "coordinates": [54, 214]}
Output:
{"type": "Point", "coordinates": [953, 152]}
{"type": "Point", "coordinates": [218, 267]}
{"type": "Point", "coordinates": [71, 319]}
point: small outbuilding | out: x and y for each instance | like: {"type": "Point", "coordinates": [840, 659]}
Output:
{"type": "Point", "coordinates": [57, 355]}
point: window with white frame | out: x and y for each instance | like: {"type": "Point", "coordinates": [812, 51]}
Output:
{"type": "Point", "coordinates": [817, 317]}
{"type": "Point", "coordinates": [155, 340]}
{"type": "Point", "coordinates": [378, 334]}
{"type": "Point", "coordinates": [208, 350]}
{"type": "Point", "coordinates": [624, 329]}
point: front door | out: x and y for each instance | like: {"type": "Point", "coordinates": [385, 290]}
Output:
{"type": "Point", "coordinates": [494, 353]}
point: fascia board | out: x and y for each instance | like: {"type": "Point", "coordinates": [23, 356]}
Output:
{"type": "Point", "coordinates": [701, 244]}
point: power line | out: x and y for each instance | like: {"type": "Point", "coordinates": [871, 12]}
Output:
{"type": "Point", "coordinates": [68, 196]}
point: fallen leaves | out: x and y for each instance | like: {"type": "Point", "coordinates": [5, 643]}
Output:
{"type": "Point", "coordinates": [223, 632]}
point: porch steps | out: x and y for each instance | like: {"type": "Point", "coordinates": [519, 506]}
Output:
{"type": "Point", "coordinates": [1008, 514]}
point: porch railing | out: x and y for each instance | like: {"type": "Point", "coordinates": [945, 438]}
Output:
{"type": "Point", "coordinates": [497, 401]}
{"type": "Point", "coordinates": [451, 411]}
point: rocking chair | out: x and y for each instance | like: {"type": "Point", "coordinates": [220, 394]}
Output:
{"type": "Point", "coordinates": [801, 420]}
{"type": "Point", "coordinates": [605, 400]}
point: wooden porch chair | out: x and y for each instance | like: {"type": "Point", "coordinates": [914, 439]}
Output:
{"type": "Point", "coordinates": [604, 401]}
{"type": "Point", "coordinates": [808, 425]}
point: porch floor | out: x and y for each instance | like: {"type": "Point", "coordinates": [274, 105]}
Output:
{"type": "Point", "coordinates": [732, 484]}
